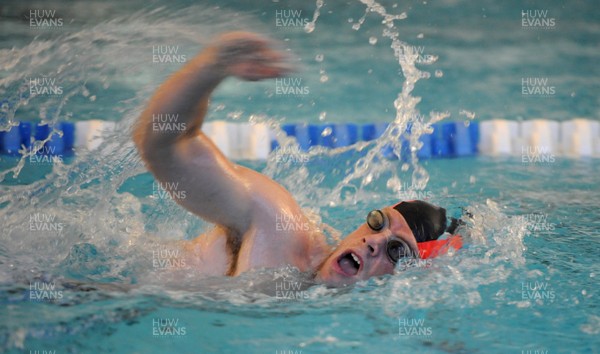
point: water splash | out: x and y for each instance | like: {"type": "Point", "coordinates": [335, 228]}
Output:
{"type": "Point", "coordinates": [373, 160]}
{"type": "Point", "coordinates": [310, 26]}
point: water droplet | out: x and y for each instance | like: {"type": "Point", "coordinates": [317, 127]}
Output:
{"type": "Point", "coordinates": [439, 73]}
{"type": "Point", "coordinates": [356, 26]}
{"type": "Point", "coordinates": [322, 116]}
{"type": "Point", "coordinates": [405, 167]}
{"type": "Point", "coordinates": [373, 40]}
{"type": "Point", "coordinates": [361, 165]}
{"type": "Point", "coordinates": [310, 26]}
{"type": "Point", "coordinates": [350, 20]}
{"type": "Point", "coordinates": [234, 115]}
{"type": "Point", "coordinates": [326, 132]}
{"type": "Point", "coordinates": [394, 184]}
{"type": "Point", "coordinates": [370, 71]}
{"type": "Point", "coordinates": [319, 57]}
{"type": "Point", "coordinates": [324, 78]}
{"type": "Point", "coordinates": [93, 98]}
{"type": "Point", "coordinates": [420, 35]}
{"type": "Point", "coordinates": [467, 123]}
{"type": "Point", "coordinates": [472, 179]}
{"type": "Point", "coordinates": [468, 114]}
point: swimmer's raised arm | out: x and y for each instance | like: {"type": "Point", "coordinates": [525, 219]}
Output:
{"type": "Point", "coordinates": [180, 156]}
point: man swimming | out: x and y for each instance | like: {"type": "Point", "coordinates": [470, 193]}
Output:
{"type": "Point", "coordinates": [246, 206]}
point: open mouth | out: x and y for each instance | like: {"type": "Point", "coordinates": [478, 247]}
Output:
{"type": "Point", "coordinates": [350, 263]}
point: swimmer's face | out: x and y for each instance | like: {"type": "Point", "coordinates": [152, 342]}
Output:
{"type": "Point", "coordinates": [364, 252]}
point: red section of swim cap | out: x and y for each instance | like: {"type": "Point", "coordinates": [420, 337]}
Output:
{"type": "Point", "coordinates": [432, 249]}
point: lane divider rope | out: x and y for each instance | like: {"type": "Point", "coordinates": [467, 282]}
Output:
{"type": "Point", "coordinates": [577, 137]}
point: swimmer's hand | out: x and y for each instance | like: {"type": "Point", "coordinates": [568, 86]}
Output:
{"type": "Point", "coordinates": [251, 57]}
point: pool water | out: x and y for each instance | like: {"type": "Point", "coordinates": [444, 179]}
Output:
{"type": "Point", "coordinates": [86, 252]}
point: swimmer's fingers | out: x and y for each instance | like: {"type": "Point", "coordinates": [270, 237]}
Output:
{"type": "Point", "coordinates": [251, 57]}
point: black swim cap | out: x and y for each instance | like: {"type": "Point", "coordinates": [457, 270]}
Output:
{"type": "Point", "coordinates": [427, 221]}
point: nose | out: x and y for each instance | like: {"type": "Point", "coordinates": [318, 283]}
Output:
{"type": "Point", "coordinates": [374, 243]}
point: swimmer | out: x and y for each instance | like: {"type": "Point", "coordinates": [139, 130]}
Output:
{"type": "Point", "coordinates": [258, 222]}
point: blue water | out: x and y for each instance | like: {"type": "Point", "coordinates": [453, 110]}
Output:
{"type": "Point", "coordinates": [526, 280]}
